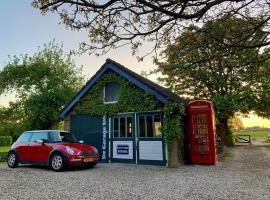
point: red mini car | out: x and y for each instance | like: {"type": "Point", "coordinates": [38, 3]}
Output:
{"type": "Point", "coordinates": [56, 149]}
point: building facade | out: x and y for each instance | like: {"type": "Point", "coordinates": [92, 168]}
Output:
{"type": "Point", "coordinates": [120, 112]}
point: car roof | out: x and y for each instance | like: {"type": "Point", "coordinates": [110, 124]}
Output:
{"type": "Point", "coordinates": [36, 131]}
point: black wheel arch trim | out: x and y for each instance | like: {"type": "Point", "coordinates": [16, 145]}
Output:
{"type": "Point", "coordinates": [16, 152]}
{"type": "Point", "coordinates": [60, 152]}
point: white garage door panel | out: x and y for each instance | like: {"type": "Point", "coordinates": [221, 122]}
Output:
{"type": "Point", "coordinates": [122, 156]}
{"type": "Point", "coordinates": [150, 150]}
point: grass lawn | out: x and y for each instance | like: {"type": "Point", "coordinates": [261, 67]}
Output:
{"type": "Point", "coordinates": [256, 134]}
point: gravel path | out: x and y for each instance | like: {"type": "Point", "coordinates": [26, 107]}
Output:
{"type": "Point", "coordinates": [246, 176]}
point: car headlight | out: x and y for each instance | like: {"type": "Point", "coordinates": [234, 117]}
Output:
{"type": "Point", "coordinates": [70, 150]}
{"type": "Point", "coordinates": [95, 150]}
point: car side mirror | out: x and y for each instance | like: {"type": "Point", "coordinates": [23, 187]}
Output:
{"type": "Point", "coordinates": [81, 141]}
{"type": "Point", "coordinates": [40, 141]}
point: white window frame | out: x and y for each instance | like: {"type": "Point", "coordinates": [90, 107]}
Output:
{"type": "Point", "coordinates": [154, 131]}
{"type": "Point", "coordinates": [104, 101]}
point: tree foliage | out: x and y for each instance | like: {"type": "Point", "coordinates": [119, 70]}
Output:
{"type": "Point", "coordinates": [202, 67]}
{"type": "Point", "coordinates": [235, 123]}
{"type": "Point", "coordinates": [43, 83]}
{"type": "Point", "coordinates": [114, 23]}
{"type": "Point", "coordinates": [11, 120]}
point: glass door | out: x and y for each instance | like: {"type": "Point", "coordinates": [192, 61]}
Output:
{"type": "Point", "coordinates": [123, 138]}
{"type": "Point", "coordinates": [150, 145]}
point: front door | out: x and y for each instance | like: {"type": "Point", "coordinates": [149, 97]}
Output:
{"type": "Point", "coordinates": [199, 141]}
{"type": "Point", "coordinates": [137, 138]}
{"type": "Point", "coordinates": [123, 138]}
{"type": "Point", "coordinates": [150, 145]}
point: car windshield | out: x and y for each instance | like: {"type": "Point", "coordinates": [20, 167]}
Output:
{"type": "Point", "coordinates": [62, 137]}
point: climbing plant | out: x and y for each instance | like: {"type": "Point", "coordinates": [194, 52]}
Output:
{"type": "Point", "coordinates": [173, 126]}
{"type": "Point", "coordinates": [131, 98]}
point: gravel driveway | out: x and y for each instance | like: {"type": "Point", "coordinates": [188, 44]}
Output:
{"type": "Point", "coordinates": [246, 176]}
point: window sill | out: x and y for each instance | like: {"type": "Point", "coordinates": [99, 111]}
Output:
{"type": "Point", "coordinates": [109, 102]}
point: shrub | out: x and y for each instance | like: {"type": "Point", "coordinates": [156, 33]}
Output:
{"type": "Point", "coordinates": [3, 156]}
{"type": "Point", "coordinates": [5, 141]}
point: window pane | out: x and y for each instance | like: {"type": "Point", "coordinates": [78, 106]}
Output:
{"type": "Point", "coordinates": [149, 125]}
{"type": "Point", "coordinates": [25, 137]}
{"type": "Point", "coordinates": [157, 126]}
{"type": "Point", "coordinates": [61, 137]}
{"type": "Point", "coordinates": [40, 136]}
{"type": "Point", "coordinates": [129, 127]}
{"type": "Point", "coordinates": [142, 126]}
{"type": "Point", "coordinates": [111, 92]}
{"type": "Point", "coordinates": [122, 127]}
{"type": "Point", "coordinates": [115, 127]}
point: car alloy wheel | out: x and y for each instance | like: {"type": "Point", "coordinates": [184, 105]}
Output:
{"type": "Point", "coordinates": [57, 162]}
{"type": "Point", "coordinates": [12, 160]}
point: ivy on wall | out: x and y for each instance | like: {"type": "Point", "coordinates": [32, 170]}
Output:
{"type": "Point", "coordinates": [131, 98]}
{"type": "Point", "coordinates": [173, 126]}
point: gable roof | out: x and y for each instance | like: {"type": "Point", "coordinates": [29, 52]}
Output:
{"type": "Point", "coordinates": [160, 93]}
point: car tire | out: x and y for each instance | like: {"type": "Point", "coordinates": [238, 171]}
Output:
{"type": "Point", "coordinates": [12, 159]}
{"type": "Point", "coordinates": [57, 162]}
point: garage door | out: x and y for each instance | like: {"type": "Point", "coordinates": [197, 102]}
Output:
{"type": "Point", "coordinates": [92, 130]}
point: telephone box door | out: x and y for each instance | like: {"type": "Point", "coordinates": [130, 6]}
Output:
{"type": "Point", "coordinates": [202, 133]}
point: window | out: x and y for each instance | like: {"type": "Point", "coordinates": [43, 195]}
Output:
{"type": "Point", "coordinates": [122, 127]}
{"type": "Point", "coordinates": [129, 127]}
{"type": "Point", "coordinates": [25, 137]}
{"type": "Point", "coordinates": [56, 137]}
{"type": "Point", "coordinates": [39, 136]}
{"type": "Point", "coordinates": [142, 126]}
{"type": "Point", "coordinates": [150, 126]}
{"type": "Point", "coordinates": [116, 127]}
{"type": "Point", "coordinates": [157, 125]}
{"type": "Point", "coordinates": [111, 92]}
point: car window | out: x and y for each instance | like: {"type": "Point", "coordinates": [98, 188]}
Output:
{"type": "Point", "coordinates": [61, 137]}
{"type": "Point", "coordinates": [25, 137]}
{"type": "Point", "coordinates": [39, 136]}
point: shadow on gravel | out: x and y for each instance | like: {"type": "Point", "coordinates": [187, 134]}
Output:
{"type": "Point", "coordinates": [46, 168]}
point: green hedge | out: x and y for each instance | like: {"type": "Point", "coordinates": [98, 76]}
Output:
{"type": "Point", "coordinates": [3, 156]}
{"type": "Point", "coordinates": [5, 141]}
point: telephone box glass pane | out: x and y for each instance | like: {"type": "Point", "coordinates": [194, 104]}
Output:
{"type": "Point", "coordinates": [200, 133]}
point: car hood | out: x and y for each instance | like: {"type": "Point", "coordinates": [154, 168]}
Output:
{"type": "Point", "coordinates": [79, 147]}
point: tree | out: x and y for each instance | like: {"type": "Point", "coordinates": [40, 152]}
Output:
{"type": "Point", "coordinates": [11, 119]}
{"type": "Point", "coordinates": [235, 123]}
{"type": "Point", "coordinates": [114, 23]}
{"type": "Point", "coordinates": [43, 83]}
{"type": "Point", "coordinates": [235, 79]}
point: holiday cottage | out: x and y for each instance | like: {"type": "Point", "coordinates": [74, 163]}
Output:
{"type": "Point", "coordinates": [125, 116]}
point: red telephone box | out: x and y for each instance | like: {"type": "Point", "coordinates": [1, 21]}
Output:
{"type": "Point", "coordinates": [202, 132]}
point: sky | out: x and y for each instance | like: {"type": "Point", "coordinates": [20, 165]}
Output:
{"type": "Point", "coordinates": [23, 29]}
